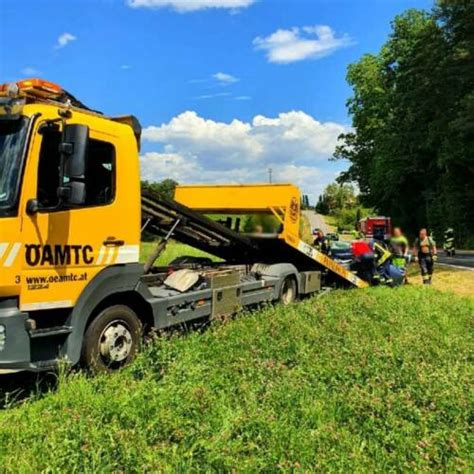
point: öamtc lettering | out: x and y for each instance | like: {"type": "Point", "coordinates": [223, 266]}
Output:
{"type": "Point", "coordinates": [58, 255]}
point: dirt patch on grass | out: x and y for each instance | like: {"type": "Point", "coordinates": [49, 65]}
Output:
{"type": "Point", "coordinates": [445, 278]}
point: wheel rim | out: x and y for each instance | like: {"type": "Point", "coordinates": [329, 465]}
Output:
{"type": "Point", "coordinates": [288, 292]}
{"type": "Point", "coordinates": [116, 342]}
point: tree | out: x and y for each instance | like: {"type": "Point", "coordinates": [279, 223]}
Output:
{"type": "Point", "coordinates": [336, 197]}
{"type": "Point", "coordinates": [321, 206]}
{"type": "Point", "coordinates": [341, 202]}
{"type": "Point", "coordinates": [411, 152]}
{"type": "Point", "coordinates": [164, 188]}
{"type": "Point", "coordinates": [305, 201]}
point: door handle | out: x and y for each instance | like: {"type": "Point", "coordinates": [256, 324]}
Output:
{"type": "Point", "coordinates": [112, 242]}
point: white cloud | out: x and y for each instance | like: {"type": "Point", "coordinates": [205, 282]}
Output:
{"type": "Point", "coordinates": [213, 96]}
{"type": "Point", "coordinates": [31, 71]}
{"type": "Point", "coordinates": [190, 134]}
{"type": "Point", "coordinates": [192, 149]}
{"type": "Point", "coordinates": [219, 78]}
{"type": "Point", "coordinates": [291, 135]}
{"type": "Point", "coordinates": [125, 66]}
{"type": "Point", "coordinates": [159, 166]}
{"type": "Point", "coordinates": [224, 78]}
{"type": "Point", "coordinates": [297, 44]}
{"type": "Point", "coordinates": [64, 39]}
{"type": "Point", "coordinates": [242, 97]}
{"type": "Point", "coordinates": [185, 169]}
{"type": "Point", "coordinates": [186, 6]}
{"type": "Point", "coordinates": [310, 179]}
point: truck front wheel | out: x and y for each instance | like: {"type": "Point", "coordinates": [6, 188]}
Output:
{"type": "Point", "coordinates": [112, 339]}
{"type": "Point", "coordinates": [289, 291]}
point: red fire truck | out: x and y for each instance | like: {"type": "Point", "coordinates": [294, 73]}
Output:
{"type": "Point", "coordinates": [378, 227]}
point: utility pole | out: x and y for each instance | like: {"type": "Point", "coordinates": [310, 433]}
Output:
{"type": "Point", "coordinates": [270, 171]}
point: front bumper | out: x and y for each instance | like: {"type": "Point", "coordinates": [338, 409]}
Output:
{"type": "Point", "coordinates": [15, 352]}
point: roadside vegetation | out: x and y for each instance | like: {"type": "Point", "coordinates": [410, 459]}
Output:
{"type": "Point", "coordinates": [366, 380]}
{"type": "Point", "coordinates": [411, 145]}
{"type": "Point", "coordinates": [341, 207]}
{"type": "Point", "coordinates": [331, 222]}
{"type": "Point", "coordinates": [173, 250]}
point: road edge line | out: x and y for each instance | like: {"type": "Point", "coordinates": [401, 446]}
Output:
{"type": "Point", "coordinates": [455, 266]}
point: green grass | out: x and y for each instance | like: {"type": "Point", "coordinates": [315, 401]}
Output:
{"type": "Point", "coordinates": [377, 380]}
{"type": "Point", "coordinates": [330, 221]}
{"type": "Point", "coordinates": [173, 250]}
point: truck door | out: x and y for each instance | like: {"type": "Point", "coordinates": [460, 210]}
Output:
{"type": "Point", "coordinates": [64, 248]}
{"type": "Point", "coordinates": [13, 139]}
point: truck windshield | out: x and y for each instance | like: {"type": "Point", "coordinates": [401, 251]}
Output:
{"type": "Point", "coordinates": [12, 141]}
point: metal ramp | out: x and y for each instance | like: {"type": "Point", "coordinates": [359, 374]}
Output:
{"type": "Point", "coordinates": [160, 216]}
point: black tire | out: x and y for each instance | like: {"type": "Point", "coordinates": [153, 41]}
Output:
{"type": "Point", "coordinates": [112, 339]}
{"type": "Point", "coordinates": [288, 291]}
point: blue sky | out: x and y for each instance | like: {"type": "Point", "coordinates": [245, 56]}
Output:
{"type": "Point", "coordinates": [224, 88]}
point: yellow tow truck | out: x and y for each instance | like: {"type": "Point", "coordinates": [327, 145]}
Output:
{"type": "Point", "coordinates": [71, 216]}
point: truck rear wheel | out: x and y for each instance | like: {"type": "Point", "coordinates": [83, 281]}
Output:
{"type": "Point", "coordinates": [289, 291]}
{"type": "Point", "coordinates": [112, 339]}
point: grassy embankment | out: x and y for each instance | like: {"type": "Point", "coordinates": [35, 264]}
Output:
{"type": "Point", "coordinates": [331, 222]}
{"type": "Point", "coordinates": [367, 380]}
{"type": "Point", "coordinates": [172, 251]}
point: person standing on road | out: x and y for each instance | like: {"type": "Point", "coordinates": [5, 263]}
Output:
{"type": "Point", "coordinates": [449, 242]}
{"type": "Point", "coordinates": [426, 254]}
{"type": "Point", "coordinates": [399, 246]}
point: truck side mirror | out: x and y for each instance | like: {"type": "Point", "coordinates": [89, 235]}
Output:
{"type": "Point", "coordinates": [73, 149]}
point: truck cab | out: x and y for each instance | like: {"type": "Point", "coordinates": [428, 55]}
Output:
{"type": "Point", "coordinates": [55, 237]}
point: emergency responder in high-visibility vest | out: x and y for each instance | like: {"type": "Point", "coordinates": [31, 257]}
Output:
{"type": "Point", "coordinates": [448, 244]}
{"type": "Point", "coordinates": [321, 242]}
{"type": "Point", "coordinates": [382, 262]}
{"type": "Point", "coordinates": [426, 254]}
{"type": "Point", "coordinates": [399, 246]}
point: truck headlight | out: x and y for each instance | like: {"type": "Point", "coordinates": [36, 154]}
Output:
{"type": "Point", "coordinates": [3, 337]}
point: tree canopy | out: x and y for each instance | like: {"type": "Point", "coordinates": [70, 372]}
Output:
{"type": "Point", "coordinates": [411, 151]}
{"type": "Point", "coordinates": [335, 197]}
{"type": "Point", "coordinates": [340, 201]}
{"type": "Point", "coordinates": [164, 188]}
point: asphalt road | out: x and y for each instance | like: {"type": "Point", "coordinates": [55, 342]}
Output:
{"type": "Point", "coordinates": [462, 259]}
{"type": "Point", "coordinates": [316, 221]}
